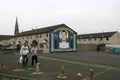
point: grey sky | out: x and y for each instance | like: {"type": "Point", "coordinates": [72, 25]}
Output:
{"type": "Point", "coordinates": [84, 16]}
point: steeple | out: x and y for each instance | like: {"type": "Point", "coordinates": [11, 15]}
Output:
{"type": "Point", "coordinates": [16, 32]}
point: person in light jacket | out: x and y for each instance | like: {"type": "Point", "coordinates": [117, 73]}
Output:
{"type": "Point", "coordinates": [34, 51]}
{"type": "Point", "coordinates": [24, 53]}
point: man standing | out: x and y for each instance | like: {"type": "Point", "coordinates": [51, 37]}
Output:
{"type": "Point", "coordinates": [24, 53]}
{"type": "Point", "coordinates": [18, 46]}
{"type": "Point", "coordinates": [34, 51]}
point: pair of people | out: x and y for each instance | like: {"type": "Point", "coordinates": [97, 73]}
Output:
{"type": "Point", "coordinates": [24, 54]}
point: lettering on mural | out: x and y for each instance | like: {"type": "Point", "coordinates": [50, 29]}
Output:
{"type": "Point", "coordinates": [66, 29]}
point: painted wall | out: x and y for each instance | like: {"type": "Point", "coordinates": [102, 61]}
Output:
{"type": "Point", "coordinates": [63, 39]}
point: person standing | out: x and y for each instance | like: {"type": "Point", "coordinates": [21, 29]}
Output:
{"type": "Point", "coordinates": [18, 46]}
{"type": "Point", "coordinates": [24, 53]}
{"type": "Point", "coordinates": [34, 51]}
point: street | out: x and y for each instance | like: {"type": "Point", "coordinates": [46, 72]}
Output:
{"type": "Point", "coordinates": [105, 66]}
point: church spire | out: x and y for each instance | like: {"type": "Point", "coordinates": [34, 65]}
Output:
{"type": "Point", "coordinates": [16, 32]}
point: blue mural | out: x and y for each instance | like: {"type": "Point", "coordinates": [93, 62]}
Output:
{"type": "Point", "coordinates": [63, 38]}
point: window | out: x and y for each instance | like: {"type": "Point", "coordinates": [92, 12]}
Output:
{"type": "Point", "coordinates": [46, 34]}
{"type": "Point", "coordinates": [30, 36]}
{"type": "Point", "coordinates": [41, 45]}
{"type": "Point", "coordinates": [16, 38]}
{"type": "Point", "coordinates": [36, 36]}
{"type": "Point", "coordinates": [95, 39]}
{"type": "Point", "coordinates": [27, 37]}
{"type": "Point", "coordinates": [40, 35]}
{"type": "Point", "coordinates": [101, 38]}
{"type": "Point", "coordinates": [89, 39]}
{"type": "Point", "coordinates": [107, 38]}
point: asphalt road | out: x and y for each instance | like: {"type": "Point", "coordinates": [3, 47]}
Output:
{"type": "Point", "coordinates": [105, 66]}
{"type": "Point", "coordinates": [89, 57]}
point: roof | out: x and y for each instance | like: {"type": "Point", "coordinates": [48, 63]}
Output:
{"type": "Point", "coordinates": [41, 30]}
{"type": "Point", "coordinates": [3, 37]}
{"type": "Point", "coordinates": [96, 35]}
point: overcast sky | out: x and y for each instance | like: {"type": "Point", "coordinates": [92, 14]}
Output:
{"type": "Point", "coordinates": [84, 16]}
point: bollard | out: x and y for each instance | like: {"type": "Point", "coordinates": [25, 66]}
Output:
{"type": "Point", "coordinates": [18, 68]}
{"type": "Point", "coordinates": [62, 75]}
{"type": "Point", "coordinates": [37, 70]}
{"type": "Point", "coordinates": [79, 76]}
{"type": "Point", "coordinates": [1, 64]}
{"type": "Point", "coordinates": [91, 74]}
{"type": "Point", "coordinates": [18, 65]}
{"type": "Point", "coordinates": [62, 69]}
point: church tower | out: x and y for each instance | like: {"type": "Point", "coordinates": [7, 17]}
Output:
{"type": "Point", "coordinates": [16, 32]}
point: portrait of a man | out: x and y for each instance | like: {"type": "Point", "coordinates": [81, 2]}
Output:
{"type": "Point", "coordinates": [63, 36]}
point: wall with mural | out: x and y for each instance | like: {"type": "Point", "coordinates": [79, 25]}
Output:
{"type": "Point", "coordinates": [63, 39]}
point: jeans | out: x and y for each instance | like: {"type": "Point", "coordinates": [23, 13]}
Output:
{"type": "Point", "coordinates": [25, 59]}
{"type": "Point", "coordinates": [34, 58]}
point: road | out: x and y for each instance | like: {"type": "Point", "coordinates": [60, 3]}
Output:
{"type": "Point", "coordinates": [108, 64]}
{"type": "Point", "coordinates": [105, 66]}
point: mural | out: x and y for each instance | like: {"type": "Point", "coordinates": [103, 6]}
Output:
{"type": "Point", "coordinates": [63, 38]}
{"type": "Point", "coordinates": [63, 35]}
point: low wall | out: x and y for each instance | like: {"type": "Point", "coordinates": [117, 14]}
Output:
{"type": "Point", "coordinates": [86, 47]}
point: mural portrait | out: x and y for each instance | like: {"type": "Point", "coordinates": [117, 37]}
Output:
{"type": "Point", "coordinates": [63, 35]}
{"type": "Point", "coordinates": [63, 39]}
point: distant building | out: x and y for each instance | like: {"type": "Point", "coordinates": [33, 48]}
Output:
{"type": "Point", "coordinates": [99, 38]}
{"type": "Point", "coordinates": [97, 41]}
{"type": "Point", "coordinates": [4, 40]}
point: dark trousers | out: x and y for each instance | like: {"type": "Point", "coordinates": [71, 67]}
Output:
{"type": "Point", "coordinates": [25, 60]}
{"type": "Point", "coordinates": [34, 58]}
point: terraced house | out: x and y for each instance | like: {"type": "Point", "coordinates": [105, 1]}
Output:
{"type": "Point", "coordinates": [100, 38]}
{"type": "Point", "coordinates": [50, 39]}
{"type": "Point", "coordinates": [4, 40]}
{"type": "Point", "coordinates": [94, 40]}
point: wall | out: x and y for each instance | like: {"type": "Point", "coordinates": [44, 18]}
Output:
{"type": "Point", "coordinates": [63, 39]}
{"type": "Point", "coordinates": [115, 39]}
{"type": "Point", "coordinates": [44, 36]}
{"type": "Point", "coordinates": [86, 47]}
{"type": "Point", "coordinates": [1, 42]}
{"type": "Point", "coordinates": [38, 37]}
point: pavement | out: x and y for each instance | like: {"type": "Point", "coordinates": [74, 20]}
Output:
{"type": "Point", "coordinates": [105, 66]}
